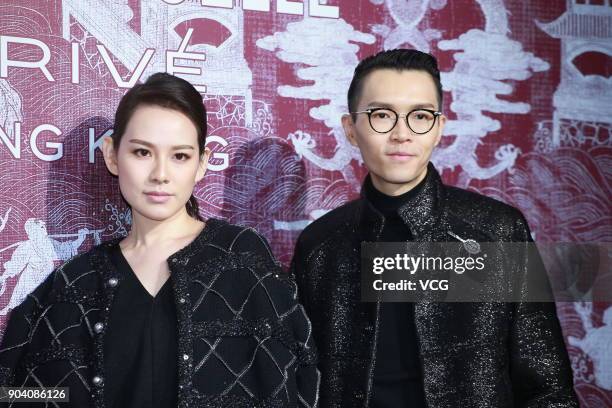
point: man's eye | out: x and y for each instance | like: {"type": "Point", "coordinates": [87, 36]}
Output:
{"type": "Point", "coordinates": [422, 116]}
{"type": "Point", "coordinates": [381, 115]}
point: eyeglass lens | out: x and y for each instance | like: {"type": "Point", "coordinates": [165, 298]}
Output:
{"type": "Point", "coordinates": [419, 121]}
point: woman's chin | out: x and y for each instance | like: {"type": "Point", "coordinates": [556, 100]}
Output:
{"type": "Point", "coordinates": [158, 213]}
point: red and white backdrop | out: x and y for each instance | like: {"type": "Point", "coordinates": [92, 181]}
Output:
{"type": "Point", "coordinates": [528, 91]}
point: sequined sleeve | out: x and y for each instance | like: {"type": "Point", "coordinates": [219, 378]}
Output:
{"type": "Point", "coordinates": [539, 367]}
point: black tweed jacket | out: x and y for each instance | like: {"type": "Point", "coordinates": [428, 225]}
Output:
{"type": "Point", "coordinates": [227, 288]}
{"type": "Point", "coordinates": [476, 355]}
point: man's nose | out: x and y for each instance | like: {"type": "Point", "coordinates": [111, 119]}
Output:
{"type": "Point", "coordinates": [401, 132]}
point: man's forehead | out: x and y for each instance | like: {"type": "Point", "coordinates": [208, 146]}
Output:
{"type": "Point", "coordinates": [411, 105]}
{"type": "Point", "coordinates": [399, 88]}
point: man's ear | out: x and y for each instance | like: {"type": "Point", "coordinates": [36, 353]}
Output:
{"type": "Point", "coordinates": [203, 165]}
{"type": "Point", "coordinates": [441, 124]}
{"type": "Point", "coordinates": [110, 155]}
{"type": "Point", "coordinates": [349, 128]}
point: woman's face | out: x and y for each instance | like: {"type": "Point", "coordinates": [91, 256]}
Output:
{"type": "Point", "coordinates": [157, 162]}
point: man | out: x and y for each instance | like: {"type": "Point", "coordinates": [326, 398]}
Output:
{"type": "Point", "coordinates": [430, 354]}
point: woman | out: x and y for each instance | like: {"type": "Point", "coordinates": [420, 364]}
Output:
{"type": "Point", "coordinates": [181, 312]}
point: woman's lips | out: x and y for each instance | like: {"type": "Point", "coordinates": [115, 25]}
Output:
{"type": "Point", "coordinates": [158, 197]}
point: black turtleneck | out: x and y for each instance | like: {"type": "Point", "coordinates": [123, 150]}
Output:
{"type": "Point", "coordinates": [397, 374]}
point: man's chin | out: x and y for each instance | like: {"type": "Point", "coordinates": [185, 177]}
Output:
{"type": "Point", "coordinates": [401, 179]}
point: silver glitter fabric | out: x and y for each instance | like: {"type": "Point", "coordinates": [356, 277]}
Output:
{"type": "Point", "coordinates": [243, 339]}
{"type": "Point", "coordinates": [472, 354]}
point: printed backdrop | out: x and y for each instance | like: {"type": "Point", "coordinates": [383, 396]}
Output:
{"type": "Point", "coordinates": [527, 91]}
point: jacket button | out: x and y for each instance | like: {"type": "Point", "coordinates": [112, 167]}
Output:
{"type": "Point", "coordinates": [185, 357]}
{"type": "Point", "coordinates": [359, 395]}
{"type": "Point", "coordinates": [98, 327]}
{"type": "Point", "coordinates": [112, 282]}
{"type": "Point", "coordinates": [182, 300]}
{"type": "Point", "coordinates": [97, 381]}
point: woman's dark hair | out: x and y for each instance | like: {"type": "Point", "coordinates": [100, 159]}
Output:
{"type": "Point", "coordinates": [166, 91]}
{"type": "Point", "coordinates": [399, 60]}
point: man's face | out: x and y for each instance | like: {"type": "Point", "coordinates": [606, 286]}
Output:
{"type": "Point", "coordinates": [397, 160]}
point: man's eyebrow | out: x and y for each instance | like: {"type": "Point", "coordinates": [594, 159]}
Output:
{"type": "Point", "coordinates": [376, 104]}
{"type": "Point", "coordinates": [149, 144]}
{"type": "Point", "coordinates": [424, 105]}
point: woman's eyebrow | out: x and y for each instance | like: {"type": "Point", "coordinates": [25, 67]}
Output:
{"type": "Point", "coordinates": [142, 142]}
{"type": "Point", "coordinates": [182, 147]}
{"type": "Point", "coordinates": [151, 145]}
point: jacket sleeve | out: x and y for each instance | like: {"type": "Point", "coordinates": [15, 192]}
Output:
{"type": "Point", "coordinates": [17, 334]}
{"type": "Point", "coordinates": [539, 364]}
{"type": "Point", "coordinates": [294, 318]}
{"type": "Point", "coordinates": [307, 376]}
{"type": "Point", "coordinates": [298, 270]}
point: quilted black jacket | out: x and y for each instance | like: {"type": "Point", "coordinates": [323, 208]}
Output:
{"type": "Point", "coordinates": [231, 300]}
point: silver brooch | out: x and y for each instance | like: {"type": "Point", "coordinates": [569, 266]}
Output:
{"type": "Point", "coordinates": [469, 244]}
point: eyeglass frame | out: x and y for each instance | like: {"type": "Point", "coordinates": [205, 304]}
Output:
{"type": "Point", "coordinates": [369, 112]}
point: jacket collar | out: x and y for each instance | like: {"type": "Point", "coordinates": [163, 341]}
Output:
{"type": "Point", "coordinates": [421, 213]}
{"type": "Point", "coordinates": [183, 255]}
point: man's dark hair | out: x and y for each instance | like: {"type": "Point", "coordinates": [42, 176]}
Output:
{"type": "Point", "coordinates": [166, 91]}
{"type": "Point", "coordinates": [399, 60]}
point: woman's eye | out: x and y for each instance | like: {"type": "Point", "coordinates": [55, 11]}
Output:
{"type": "Point", "coordinates": [182, 156]}
{"type": "Point", "coordinates": [141, 152]}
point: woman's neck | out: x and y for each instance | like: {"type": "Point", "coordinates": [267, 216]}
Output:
{"type": "Point", "coordinates": [146, 232]}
